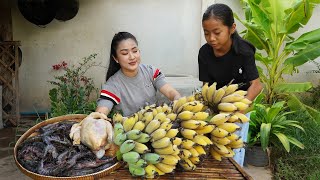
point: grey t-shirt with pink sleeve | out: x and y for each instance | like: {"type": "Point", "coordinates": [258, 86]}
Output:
{"type": "Point", "coordinates": [129, 94]}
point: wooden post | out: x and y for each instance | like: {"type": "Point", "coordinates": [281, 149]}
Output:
{"type": "Point", "coordinates": [5, 21]}
{"type": "Point", "coordinates": [1, 121]}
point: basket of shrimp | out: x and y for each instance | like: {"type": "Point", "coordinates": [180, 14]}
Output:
{"type": "Point", "coordinates": [74, 146]}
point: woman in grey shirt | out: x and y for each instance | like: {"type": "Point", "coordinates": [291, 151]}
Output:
{"type": "Point", "coordinates": [129, 84]}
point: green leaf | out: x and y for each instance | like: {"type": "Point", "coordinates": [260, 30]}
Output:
{"type": "Point", "coordinates": [310, 52]}
{"type": "Point", "coordinates": [284, 140]}
{"type": "Point", "coordinates": [305, 39]}
{"type": "Point", "coordinates": [275, 109]}
{"type": "Point", "coordinates": [293, 87]}
{"type": "Point", "coordinates": [295, 104]}
{"type": "Point", "coordinates": [295, 142]}
{"type": "Point", "coordinates": [264, 135]}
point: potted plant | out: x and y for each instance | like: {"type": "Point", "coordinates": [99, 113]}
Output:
{"type": "Point", "coordinates": [268, 127]}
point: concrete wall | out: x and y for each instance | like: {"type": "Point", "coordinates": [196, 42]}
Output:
{"type": "Point", "coordinates": [169, 34]}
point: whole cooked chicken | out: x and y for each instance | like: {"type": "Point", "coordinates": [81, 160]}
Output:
{"type": "Point", "coordinates": [94, 131]}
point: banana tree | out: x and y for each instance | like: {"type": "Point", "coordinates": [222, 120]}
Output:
{"type": "Point", "coordinates": [269, 26]}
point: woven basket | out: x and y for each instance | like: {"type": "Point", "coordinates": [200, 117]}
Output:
{"type": "Point", "coordinates": [72, 117]}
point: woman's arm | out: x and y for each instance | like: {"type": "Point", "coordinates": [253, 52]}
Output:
{"type": "Point", "coordinates": [254, 89]}
{"type": "Point", "coordinates": [170, 92]}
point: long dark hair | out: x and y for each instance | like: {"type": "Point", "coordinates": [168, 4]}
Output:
{"type": "Point", "coordinates": [224, 13]}
{"type": "Point", "coordinates": [117, 38]}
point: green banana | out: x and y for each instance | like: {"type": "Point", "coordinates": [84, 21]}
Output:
{"type": "Point", "coordinates": [143, 138]}
{"type": "Point", "coordinates": [136, 171]}
{"type": "Point", "coordinates": [133, 134]}
{"type": "Point", "coordinates": [152, 158]}
{"type": "Point", "coordinates": [131, 157]}
{"type": "Point", "coordinates": [127, 146]}
{"type": "Point", "coordinates": [118, 128]}
{"type": "Point", "coordinates": [120, 138]}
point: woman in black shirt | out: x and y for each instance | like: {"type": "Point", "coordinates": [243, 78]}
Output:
{"type": "Point", "coordinates": [227, 57]}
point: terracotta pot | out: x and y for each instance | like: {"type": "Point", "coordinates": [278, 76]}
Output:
{"type": "Point", "coordinates": [255, 156]}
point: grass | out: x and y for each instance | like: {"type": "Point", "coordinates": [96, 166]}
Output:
{"type": "Point", "coordinates": [300, 163]}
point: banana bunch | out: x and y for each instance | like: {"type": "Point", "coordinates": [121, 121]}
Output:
{"type": "Point", "coordinates": [227, 104]}
{"type": "Point", "coordinates": [147, 140]}
{"type": "Point", "coordinates": [194, 128]}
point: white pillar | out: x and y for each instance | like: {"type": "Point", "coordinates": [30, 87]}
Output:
{"type": "Point", "coordinates": [204, 6]}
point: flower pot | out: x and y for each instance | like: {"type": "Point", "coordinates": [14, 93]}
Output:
{"type": "Point", "coordinates": [255, 156]}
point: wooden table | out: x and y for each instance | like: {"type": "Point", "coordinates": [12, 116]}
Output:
{"type": "Point", "coordinates": [208, 169]}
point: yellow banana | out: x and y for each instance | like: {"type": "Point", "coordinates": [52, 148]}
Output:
{"type": "Point", "coordinates": [158, 134]}
{"type": "Point", "coordinates": [166, 125]}
{"type": "Point", "coordinates": [241, 106]}
{"type": "Point", "coordinates": [178, 103]}
{"type": "Point", "coordinates": [128, 123]}
{"type": "Point", "coordinates": [117, 117]}
{"type": "Point", "coordinates": [194, 152]}
{"type": "Point", "coordinates": [187, 165]}
{"type": "Point", "coordinates": [160, 173]}
{"type": "Point", "coordinates": [233, 118]}
{"type": "Point", "coordinates": [140, 114]}
{"type": "Point", "coordinates": [190, 124]}
{"type": "Point", "coordinates": [218, 95]}
{"type": "Point", "coordinates": [185, 153]}
{"type": "Point", "coordinates": [211, 91]}
{"type": "Point", "coordinates": [246, 101]}
{"type": "Point", "coordinates": [242, 118]}
{"type": "Point", "coordinates": [229, 107]}
{"type": "Point", "coordinates": [169, 159]}
{"type": "Point", "coordinates": [219, 132]}
{"type": "Point", "coordinates": [241, 92]}
{"type": "Point", "coordinates": [139, 125]}
{"type": "Point", "coordinates": [198, 107]}
{"type": "Point", "coordinates": [165, 167]}
{"type": "Point", "coordinates": [215, 154]}
{"type": "Point", "coordinates": [222, 141]}
{"type": "Point", "coordinates": [232, 98]}
{"type": "Point", "coordinates": [199, 140]}
{"type": "Point", "coordinates": [219, 119]}
{"type": "Point", "coordinates": [205, 130]}
{"type": "Point", "coordinates": [165, 108]}
{"type": "Point", "coordinates": [191, 98]}
{"type": "Point", "coordinates": [202, 124]}
{"type": "Point", "coordinates": [187, 144]}
{"type": "Point", "coordinates": [170, 149]}
{"type": "Point", "coordinates": [231, 89]}
{"type": "Point", "coordinates": [159, 109]}
{"type": "Point", "coordinates": [200, 150]}
{"type": "Point", "coordinates": [177, 141]}
{"type": "Point", "coordinates": [230, 127]}
{"type": "Point", "coordinates": [188, 106]}
{"type": "Point", "coordinates": [188, 133]}
{"type": "Point", "coordinates": [195, 160]}
{"type": "Point", "coordinates": [151, 171]}
{"type": "Point", "coordinates": [236, 144]}
{"type": "Point", "coordinates": [154, 112]}
{"type": "Point", "coordinates": [206, 139]}
{"type": "Point", "coordinates": [185, 115]}
{"type": "Point", "coordinates": [221, 149]}
{"type": "Point", "coordinates": [204, 90]}
{"type": "Point", "coordinates": [233, 137]}
{"type": "Point", "coordinates": [161, 143]}
{"type": "Point", "coordinates": [147, 117]}
{"type": "Point", "coordinates": [172, 133]}
{"type": "Point", "coordinates": [200, 116]}
{"type": "Point", "coordinates": [172, 116]}
{"type": "Point", "coordinates": [141, 148]}
{"type": "Point", "coordinates": [152, 126]}
{"type": "Point", "coordinates": [160, 116]}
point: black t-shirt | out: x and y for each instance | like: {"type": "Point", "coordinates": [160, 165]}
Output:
{"type": "Point", "coordinates": [231, 66]}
